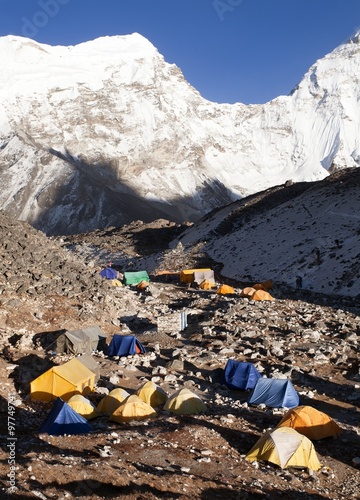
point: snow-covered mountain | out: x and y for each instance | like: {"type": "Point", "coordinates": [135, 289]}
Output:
{"type": "Point", "coordinates": [105, 132]}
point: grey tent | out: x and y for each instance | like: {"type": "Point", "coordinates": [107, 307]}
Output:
{"type": "Point", "coordinates": [201, 275]}
{"type": "Point", "coordinates": [91, 363]}
{"type": "Point", "coordinates": [76, 342]}
{"type": "Point", "coordinates": [96, 336]}
{"type": "Point", "coordinates": [81, 341]}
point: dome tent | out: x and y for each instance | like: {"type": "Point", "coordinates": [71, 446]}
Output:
{"type": "Point", "coordinates": [125, 345]}
{"type": "Point", "coordinates": [133, 408]}
{"type": "Point", "coordinates": [152, 394]}
{"type": "Point", "coordinates": [109, 273]}
{"type": "Point", "coordinates": [62, 419]}
{"type": "Point", "coordinates": [310, 422]}
{"type": "Point", "coordinates": [285, 447]}
{"type": "Point", "coordinates": [206, 285]}
{"type": "Point", "coordinates": [261, 295]}
{"type": "Point", "coordinates": [240, 375]}
{"type": "Point", "coordinates": [184, 402]}
{"type": "Point", "coordinates": [83, 406]}
{"type": "Point", "coordinates": [276, 393]}
{"type": "Point", "coordinates": [112, 401]}
{"type": "Point", "coordinates": [225, 290]}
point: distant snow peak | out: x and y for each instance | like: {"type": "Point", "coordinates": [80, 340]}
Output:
{"type": "Point", "coordinates": [146, 144]}
{"type": "Point", "coordinates": [355, 38]}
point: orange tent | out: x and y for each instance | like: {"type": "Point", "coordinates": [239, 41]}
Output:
{"type": "Point", "coordinates": [247, 292]}
{"type": "Point", "coordinates": [206, 285]}
{"type": "Point", "coordinates": [261, 295]}
{"type": "Point", "coordinates": [142, 285]}
{"type": "Point", "coordinates": [225, 289]}
{"type": "Point", "coordinates": [265, 285]}
{"type": "Point", "coordinates": [310, 422]}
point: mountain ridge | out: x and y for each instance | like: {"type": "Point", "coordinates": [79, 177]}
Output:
{"type": "Point", "coordinates": [77, 134]}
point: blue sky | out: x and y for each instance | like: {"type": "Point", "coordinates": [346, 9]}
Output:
{"type": "Point", "coordinates": [246, 51]}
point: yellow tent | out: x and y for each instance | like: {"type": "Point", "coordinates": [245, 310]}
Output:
{"type": "Point", "coordinates": [152, 394]}
{"type": "Point", "coordinates": [112, 401]}
{"type": "Point", "coordinates": [206, 285]}
{"type": "Point", "coordinates": [83, 407]}
{"type": "Point", "coordinates": [116, 282]}
{"type": "Point", "coordinates": [184, 402]}
{"type": "Point", "coordinates": [187, 275]}
{"type": "Point", "coordinates": [64, 380]}
{"type": "Point", "coordinates": [133, 408]}
{"type": "Point", "coordinates": [247, 292]}
{"type": "Point", "coordinates": [261, 295]}
{"type": "Point", "coordinates": [310, 422]}
{"type": "Point", "coordinates": [225, 289]}
{"type": "Point", "coordinates": [169, 275]}
{"type": "Point", "coordinates": [285, 447]}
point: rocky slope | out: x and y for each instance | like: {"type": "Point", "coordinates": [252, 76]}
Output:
{"type": "Point", "coordinates": [303, 229]}
{"type": "Point", "coordinates": [311, 339]}
{"type": "Point", "coordinates": [107, 132]}
{"type": "Point", "coordinates": [307, 229]}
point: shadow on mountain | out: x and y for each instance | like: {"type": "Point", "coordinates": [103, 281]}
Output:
{"type": "Point", "coordinates": [95, 197]}
{"type": "Point", "coordinates": [151, 240]}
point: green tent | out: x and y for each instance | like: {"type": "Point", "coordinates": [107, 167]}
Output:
{"type": "Point", "coordinates": [133, 278]}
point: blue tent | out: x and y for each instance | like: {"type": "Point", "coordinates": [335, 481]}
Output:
{"type": "Point", "coordinates": [125, 345]}
{"type": "Point", "coordinates": [109, 273]}
{"type": "Point", "coordinates": [277, 393]}
{"type": "Point", "coordinates": [62, 419]}
{"type": "Point", "coordinates": [239, 375]}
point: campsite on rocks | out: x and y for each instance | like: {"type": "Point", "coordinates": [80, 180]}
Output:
{"type": "Point", "coordinates": [58, 308]}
